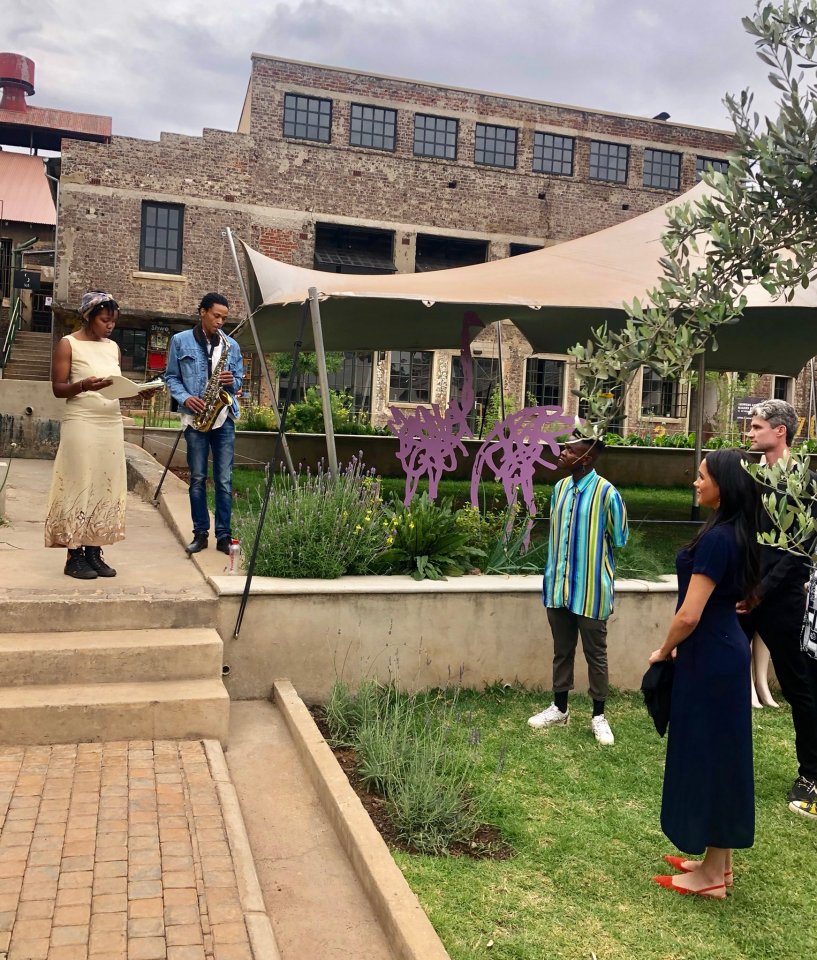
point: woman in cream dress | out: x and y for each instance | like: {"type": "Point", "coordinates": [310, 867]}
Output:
{"type": "Point", "coordinates": [86, 506]}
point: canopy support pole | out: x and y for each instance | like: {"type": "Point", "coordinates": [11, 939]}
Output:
{"type": "Point", "coordinates": [261, 358]}
{"type": "Point", "coordinates": [323, 381]}
{"type": "Point", "coordinates": [262, 516]}
{"type": "Point", "coordinates": [695, 513]}
{"type": "Point", "coordinates": [501, 372]}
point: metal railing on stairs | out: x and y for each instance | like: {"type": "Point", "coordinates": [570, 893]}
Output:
{"type": "Point", "coordinates": [15, 322]}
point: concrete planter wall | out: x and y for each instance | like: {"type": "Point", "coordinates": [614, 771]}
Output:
{"type": "Point", "coordinates": [30, 417]}
{"type": "Point", "coordinates": [469, 630]}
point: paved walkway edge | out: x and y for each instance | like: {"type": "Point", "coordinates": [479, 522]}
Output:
{"type": "Point", "coordinates": [259, 928]}
{"type": "Point", "coordinates": [408, 929]}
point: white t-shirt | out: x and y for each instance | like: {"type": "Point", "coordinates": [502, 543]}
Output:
{"type": "Point", "coordinates": [187, 417]}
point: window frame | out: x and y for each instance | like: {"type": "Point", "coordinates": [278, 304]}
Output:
{"type": "Point", "coordinates": [437, 118]}
{"type": "Point", "coordinates": [679, 403]}
{"type": "Point", "coordinates": [495, 126]}
{"type": "Point", "coordinates": [618, 146]}
{"type": "Point", "coordinates": [412, 390]}
{"type": "Point", "coordinates": [788, 387]}
{"type": "Point", "coordinates": [144, 227]}
{"type": "Point", "coordinates": [660, 157]}
{"type": "Point", "coordinates": [540, 358]}
{"type": "Point", "coordinates": [308, 97]}
{"type": "Point", "coordinates": [126, 337]}
{"type": "Point", "coordinates": [537, 134]}
{"type": "Point", "coordinates": [701, 161]}
{"type": "Point", "coordinates": [373, 106]}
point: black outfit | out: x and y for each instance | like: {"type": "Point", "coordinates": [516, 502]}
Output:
{"type": "Point", "coordinates": [778, 619]}
{"type": "Point", "coordinates": [709, 791]}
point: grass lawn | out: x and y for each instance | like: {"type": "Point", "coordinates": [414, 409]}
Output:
{"type": "Point", "coordinates": [584, 823]}
{"type": "Point", "coordinates": [644, 505]}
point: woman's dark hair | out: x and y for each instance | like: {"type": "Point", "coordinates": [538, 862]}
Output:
{"type": "Point", "coordinates": [209, 299]}
{"type": "Point", "coordinates": [111, 305]}
{"type": "Point", "coordinates": [739, 504]}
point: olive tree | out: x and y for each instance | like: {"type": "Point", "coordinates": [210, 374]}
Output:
{"type": "Point", "coordinates": [757, 225]}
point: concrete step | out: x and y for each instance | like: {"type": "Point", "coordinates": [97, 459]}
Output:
{"type": "Point", "coordinates": [124, 611]}
{"type": "Point", "coordinates": [27, 370]}
{"type": "Point", "coordinates": [72, 713]}
{"type": "Point", "coordinates": [31, 354]}
{"type": "Point", "coordinates": [106, 656]}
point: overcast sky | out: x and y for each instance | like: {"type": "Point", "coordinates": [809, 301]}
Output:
{"type": "Point", "coordinates": [181, 65]}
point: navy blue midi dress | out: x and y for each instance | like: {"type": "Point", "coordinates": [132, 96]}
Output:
{"type": "Point", "coordinates": [709, 794]}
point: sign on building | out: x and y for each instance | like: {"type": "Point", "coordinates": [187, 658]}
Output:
{"type": "Point", "coordinates": [741, 408]}
{"type": "Point", "coordinates": [27, 279]}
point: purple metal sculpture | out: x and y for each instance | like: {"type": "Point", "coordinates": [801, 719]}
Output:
{"type": "Point", "coordinates": [430, 439]}
{"type": "Point", "coordinates": [515, 447]}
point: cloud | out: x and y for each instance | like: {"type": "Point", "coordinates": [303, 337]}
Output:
{"type": "Point", "coordinates": [181, 65]}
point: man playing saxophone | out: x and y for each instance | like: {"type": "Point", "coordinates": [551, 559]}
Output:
{"type": "Point", "coordinates": [204, 373]}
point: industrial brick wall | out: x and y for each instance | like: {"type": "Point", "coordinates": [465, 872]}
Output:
{"type": "Point", "coordinates": [271, 191]}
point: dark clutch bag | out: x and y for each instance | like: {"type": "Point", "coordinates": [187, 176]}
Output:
{"type": "Point", "coordinates": [656, 688]}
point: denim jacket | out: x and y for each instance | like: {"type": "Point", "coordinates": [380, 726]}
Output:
{"type": "Point", "coordinates": [186, 373]}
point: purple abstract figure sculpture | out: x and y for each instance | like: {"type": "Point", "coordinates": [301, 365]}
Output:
{"type": "Point", "coordinates": [430, 439]}
{"type": "Point", "coordinates": [515, 447]}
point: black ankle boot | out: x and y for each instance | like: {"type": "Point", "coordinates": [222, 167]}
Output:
{"type": "Point", "coordinates": [199, 542]}
{"type": "Point", "coordinates": [77, 566]}
{"type": "Point", "coordinates": [93, 556]}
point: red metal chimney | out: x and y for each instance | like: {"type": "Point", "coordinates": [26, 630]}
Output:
{"type": "Point", "coordinates": [16, 81]}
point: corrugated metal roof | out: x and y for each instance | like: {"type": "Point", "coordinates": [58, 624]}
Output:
{"type": "Point", "coordinates": [25, 196]}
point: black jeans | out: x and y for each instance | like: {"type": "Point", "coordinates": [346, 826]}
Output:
{"type": "Point", "coordinates": [778, 621]}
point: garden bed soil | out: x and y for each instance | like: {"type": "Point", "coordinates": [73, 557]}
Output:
{"type": "Point", "coordinates": [486, 844]}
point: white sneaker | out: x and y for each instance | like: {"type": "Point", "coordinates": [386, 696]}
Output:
{"type": "Point", "coordinates": [551, 717]}
{"type": "Point", "coordinates": [601, 730]}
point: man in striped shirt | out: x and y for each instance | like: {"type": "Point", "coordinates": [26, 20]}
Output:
{"type": "Point", "coordinates": [587, 519]}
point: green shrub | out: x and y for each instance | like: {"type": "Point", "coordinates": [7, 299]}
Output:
{"type": "Point", "coordinates": [255, 417]}
{"type": "Point", "coordinates": [307, 416]}
{"type": "Point", "coordinates": [345, 711]}
{"type": "Point", "coordinates": [317, 526]}
{"type": "Point", "coordinates": [427, 542]}
{"type": "Point", "coordinates": [636, 561]}
{"type": "Point", "coordinates": [415, 754]}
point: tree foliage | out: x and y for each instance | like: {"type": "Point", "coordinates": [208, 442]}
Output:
{"type": "Point", "coordinates": [756, 226]}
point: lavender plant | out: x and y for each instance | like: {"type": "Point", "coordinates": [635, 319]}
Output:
{"type": "Point", "coordinates": [319, 526]}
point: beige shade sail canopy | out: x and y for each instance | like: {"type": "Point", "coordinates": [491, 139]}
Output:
{"type": "Point", "coordinates": [555, 296]}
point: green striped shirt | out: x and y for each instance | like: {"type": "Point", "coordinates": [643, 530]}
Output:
{"type": "Point", "coordinates": [587, 519]}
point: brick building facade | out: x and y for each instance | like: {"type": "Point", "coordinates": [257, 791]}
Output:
{"type": "Point", "coordinates": [353, 172]}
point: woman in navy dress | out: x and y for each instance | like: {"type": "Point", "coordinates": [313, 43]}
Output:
{"type": "Point", "coordinates": [708, 804]}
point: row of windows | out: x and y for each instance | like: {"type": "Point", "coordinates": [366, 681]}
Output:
{"type": "Point", "coordinates": [310, 118]}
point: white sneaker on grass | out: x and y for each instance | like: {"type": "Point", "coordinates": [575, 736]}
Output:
{"type": "Point", "coordinates": [601, 730]}
{"type": "Point", "coordinates": [551, 717]}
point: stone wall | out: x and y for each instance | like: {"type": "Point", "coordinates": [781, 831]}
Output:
{"type": "Point", "coordinates": [272, 192]}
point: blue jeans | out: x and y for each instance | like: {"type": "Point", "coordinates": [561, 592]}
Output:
{"type": "Point", "coordinates": [199, 445]}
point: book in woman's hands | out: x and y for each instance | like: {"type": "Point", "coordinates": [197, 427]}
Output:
{"type": "Point", "coordinates": [121, 388]}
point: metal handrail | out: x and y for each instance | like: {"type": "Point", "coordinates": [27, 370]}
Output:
{"type": "Point", "coordinates": [15, 322]}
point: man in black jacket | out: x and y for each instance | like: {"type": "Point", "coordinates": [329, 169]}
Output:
{"type": "Point", "coordinates": [778, 617]}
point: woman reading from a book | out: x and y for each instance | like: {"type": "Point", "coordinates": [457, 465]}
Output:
{"type": "Point", "coordinates": [86, 506]}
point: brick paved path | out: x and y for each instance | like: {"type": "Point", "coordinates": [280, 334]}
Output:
{"type": "Point", "coordinates": [115, 850]}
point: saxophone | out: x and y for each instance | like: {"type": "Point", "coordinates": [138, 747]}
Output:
{"type": "Point", "coordinates": [215, 398]}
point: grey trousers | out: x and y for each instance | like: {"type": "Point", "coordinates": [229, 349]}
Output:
{"type": "Point", "coordinates": [566, 627]}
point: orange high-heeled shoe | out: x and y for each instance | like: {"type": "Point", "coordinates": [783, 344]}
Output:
{"type": "Point", "coordinates": [678, 864]}
{"type": "Point", "coordinates": [706, 892]}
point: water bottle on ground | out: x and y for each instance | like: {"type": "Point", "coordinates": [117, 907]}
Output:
{"type": "Point", "coordinates": [234, 563]}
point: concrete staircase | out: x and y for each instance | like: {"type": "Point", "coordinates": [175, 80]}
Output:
{"type": "Point", "coordinates": [30, 357]}
{"type": "Point", "coordinates": [112, 685]}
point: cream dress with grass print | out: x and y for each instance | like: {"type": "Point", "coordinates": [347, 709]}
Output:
{"type": "Point", "coordinates": [86, 506]}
